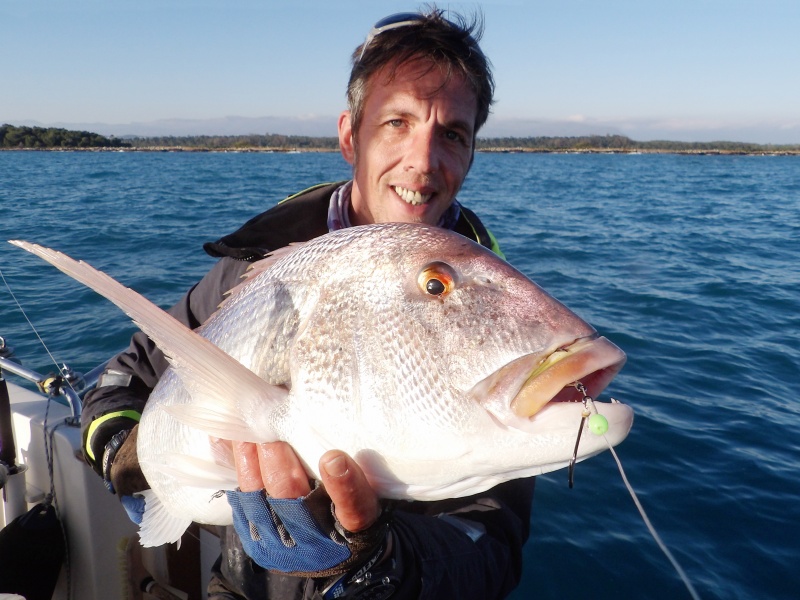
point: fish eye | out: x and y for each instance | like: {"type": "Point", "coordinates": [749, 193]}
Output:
{"type": "Point", "coordinates": [437, 279]}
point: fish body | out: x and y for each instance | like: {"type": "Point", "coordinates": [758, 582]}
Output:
{"type": "Point", "coordinates": [439, 367]}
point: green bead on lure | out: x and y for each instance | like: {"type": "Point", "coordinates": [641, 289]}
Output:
{"type": "Point", "coordinates": [598, 424]}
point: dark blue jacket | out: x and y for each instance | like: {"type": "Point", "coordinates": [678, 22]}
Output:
{"type": "Point", "coordinates": [463, 548]}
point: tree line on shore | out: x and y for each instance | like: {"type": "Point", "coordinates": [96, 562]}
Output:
{"type": "Point", "coordinates": [47, 138]}
{"type": "Point", "coordinates": [529, 144]}
{"type": "Point", "coordinates": [272, 141]}
{"type": "Point", "coordinates": [621, 143]}
{"type": "Point", "coordinates": [54, 138]}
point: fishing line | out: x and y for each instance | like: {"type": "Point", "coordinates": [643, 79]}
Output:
{"type": "Point", "coordinates": [24, 314]}
{"type": "Point", "coordinates": [599, 427]}
{"type": "Point", "coordinates": [650, 527]}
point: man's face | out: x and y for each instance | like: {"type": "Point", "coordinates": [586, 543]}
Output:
{"type": "Point", "coordinates": [413, 148]}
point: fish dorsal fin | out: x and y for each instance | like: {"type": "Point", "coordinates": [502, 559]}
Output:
{"type": "Point", "coordinates": [217, 382]}
{"type": "Point", "coordinates": [270, 259]}
{"type": "Point", "coordinates": [258, 267]}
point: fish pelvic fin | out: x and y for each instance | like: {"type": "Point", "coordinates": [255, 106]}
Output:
{"type": "Point", "coordinates": [158, 526]}
{"type": "Point", "coordinates": [212, 377]}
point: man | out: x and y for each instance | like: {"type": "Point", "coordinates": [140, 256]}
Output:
{"type": "Point", "coordinates": [419, 91]}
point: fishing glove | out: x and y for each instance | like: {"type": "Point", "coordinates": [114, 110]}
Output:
{"type": "Point", "coordinates": [122, 474]}
{"type": "Point", "coordinates": [134, 506]}
{"type": "Point", "coordinates": [302, 536]}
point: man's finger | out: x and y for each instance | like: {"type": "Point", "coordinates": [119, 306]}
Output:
{"type": "Point", "coordinates": [282, 473]}
{"type": "Point", "coordinates": [248, 472]}
{"type": "Point", "coordinates": [357, 506]}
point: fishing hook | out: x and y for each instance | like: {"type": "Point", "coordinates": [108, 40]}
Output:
{"type": "Point", "coordinates": [584, 415]}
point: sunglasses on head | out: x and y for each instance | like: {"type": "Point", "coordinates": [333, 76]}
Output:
{"type": "Point", "coordinates": [392, 22]}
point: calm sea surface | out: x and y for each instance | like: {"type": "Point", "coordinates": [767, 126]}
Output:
{"type": "Point", "coordinates": [690, 264]}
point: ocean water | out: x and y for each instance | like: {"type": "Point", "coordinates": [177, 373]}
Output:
{"type": "Point", "coordinates": [691, 264]}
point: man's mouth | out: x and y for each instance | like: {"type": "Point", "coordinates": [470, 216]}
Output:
{"type": "Point", "coordinates": [412, 197]}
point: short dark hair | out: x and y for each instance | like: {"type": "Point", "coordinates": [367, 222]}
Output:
{"type": "Point", "coordinates": [449, 44]}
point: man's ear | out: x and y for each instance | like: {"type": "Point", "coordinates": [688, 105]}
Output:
{"type": "Point", "coordinates": [346, 143]}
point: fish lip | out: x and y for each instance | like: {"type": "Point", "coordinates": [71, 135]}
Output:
{"type": "Point", "coordinates": [592, 360]}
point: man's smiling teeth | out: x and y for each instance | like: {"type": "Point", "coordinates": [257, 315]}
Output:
{"type": "Point", "coordinates": [412, 197]}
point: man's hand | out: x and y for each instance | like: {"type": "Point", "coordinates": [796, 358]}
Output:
{"type": "Point", "coordinates": [126, 477]}
{"type": "Point", "coordinates": [125, 473]}
{"type": "Point", "coordinates": [276, 468]}
{"type": "Point", "coordinates": [286, 526]}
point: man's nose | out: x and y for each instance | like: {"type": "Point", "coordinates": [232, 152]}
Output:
{"type": "Point", "coordinates": [424, 152]}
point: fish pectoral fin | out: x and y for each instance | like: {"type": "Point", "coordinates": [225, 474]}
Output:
{"type": "Point", "coordinates": [158, 526]}
{"type": "Point", "coordinates": [191, 471]}
{"type": "Point", "coordinates": [203, 368]}
{"type": "Point", "coordinates": [217, 422]}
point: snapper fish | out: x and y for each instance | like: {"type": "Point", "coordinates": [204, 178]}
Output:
{"type": "Point", "coordinates": [435, 364]}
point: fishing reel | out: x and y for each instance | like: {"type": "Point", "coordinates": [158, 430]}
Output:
{"type": "Point", "coordinates": [67, 383]}
{"type": "Point", "coordinates": [54, 384]}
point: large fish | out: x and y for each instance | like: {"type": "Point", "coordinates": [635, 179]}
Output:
{"type": "Point", "coordinates": [439, 367]}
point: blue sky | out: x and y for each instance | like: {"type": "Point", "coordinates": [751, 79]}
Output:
{"type": "Point", "coordinates": [694, 70]}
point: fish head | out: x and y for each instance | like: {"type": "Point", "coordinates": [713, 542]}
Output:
{"type": "Point", "coordinates": [483, 356]}
{"type": "Point", "coordinates": [509, 344]}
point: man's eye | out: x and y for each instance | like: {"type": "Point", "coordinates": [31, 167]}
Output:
{"type": "Point", "coordinates": [454, 136]}
{"type": "Point", "coordinates": [396, 123]}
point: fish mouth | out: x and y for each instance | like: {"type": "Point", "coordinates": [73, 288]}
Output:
{"type": "Point", "coordinates": [594, 361]}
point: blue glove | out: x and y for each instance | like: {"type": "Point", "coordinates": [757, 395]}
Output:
{"type": "Point", "coordinates": [300, 536]}
{"type": "Point", "coordinates": [134, 506]}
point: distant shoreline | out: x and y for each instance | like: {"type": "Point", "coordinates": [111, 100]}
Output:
{"type": "Point", "coordinates": [492, 150]}
{"type": "Point", "coordinates": [62, 140]}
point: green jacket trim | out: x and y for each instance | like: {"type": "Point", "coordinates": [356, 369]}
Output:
{"type": "Point", "coordinates": [98, 422]}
